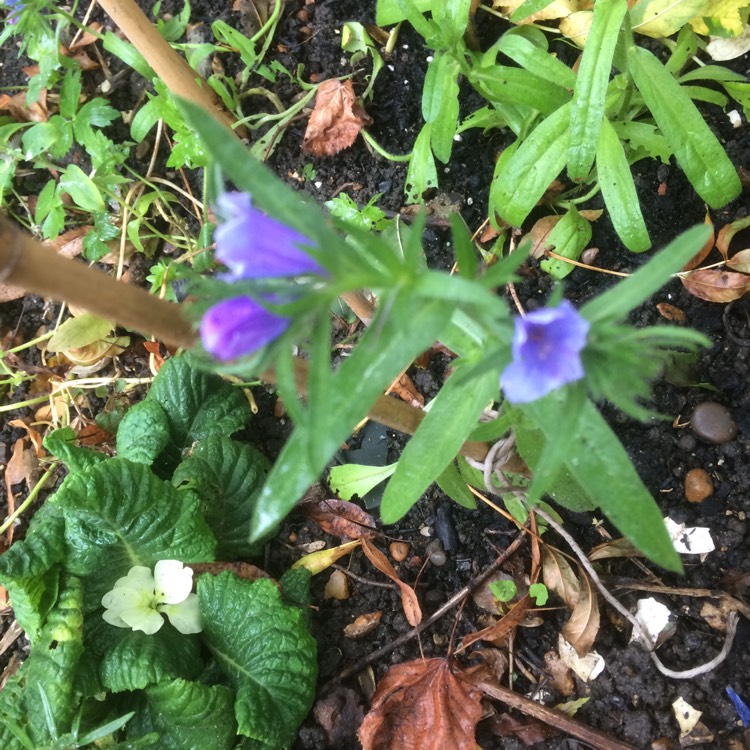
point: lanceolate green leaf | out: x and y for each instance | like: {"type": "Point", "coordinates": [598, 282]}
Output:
{"type": "Point", "coordinates": [264, 649]}
{"type": "Point", "coordinates": [536, 60]}
{"type": "Point", "coordinates": [405, 326]}
{"type": "Point", "coordinates": [568, 238]}
{"type": "Point", "coordinates": [698, 152]}
{"type": "Point", "coordinates": [521, 180]}
{"type": "Point", "coordinates": [618, 190]}
{"type": "Point", "coordinates": [452, 415]}
{"type": "Point", "coordinates": [591, 86]}
{"type": "Point", "coordinates": [616, 303]}
{"type": "Point", "coordinates": [503, 84]}
{"type": "Point", "coordinates": [599, 463]}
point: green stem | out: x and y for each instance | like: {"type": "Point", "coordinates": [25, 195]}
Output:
{"type": "Point", "coordinates": [380, 150]}
{"type": "Point", "coordinates": [30, 499]}
{"type": "Point", "coordinates": [28, 344]}
{"type": "Point", "coordinates": [23, 404]}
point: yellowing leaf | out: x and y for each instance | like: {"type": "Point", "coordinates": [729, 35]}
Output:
{"type": "Point", "coordinates": [721, 19]}
{"type": "Point", "coordinates": [316, 562]}
{"type": "Point", "coordinates": [78, 332]}
{"type": "Point", "coordinates": [660, 18]}
{"type": "Point", "coordinates": [555, 9]}
{"type": "Point", "coordinates": [576, 26]}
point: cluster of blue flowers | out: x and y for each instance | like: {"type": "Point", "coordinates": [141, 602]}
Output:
{"type": "Point", "coordinates": [252, 246]}
{"type": "Point", "coordinates": [547, 343]}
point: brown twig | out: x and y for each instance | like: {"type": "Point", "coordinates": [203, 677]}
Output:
{"type": "Point", "coordinates": [554, 718]}
{"type": "Point", "coordinates": [171, 68]}
{"type": "Point", "coordinates": [435, 616]}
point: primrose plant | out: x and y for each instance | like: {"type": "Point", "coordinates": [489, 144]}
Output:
{"type": "Point", "coordinates": [287, 264]}
{"type": "Point", "coordinates": [122, 649]}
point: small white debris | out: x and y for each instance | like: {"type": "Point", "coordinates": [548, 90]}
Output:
{"type": "Point", "coordinates": [587, 668]}
{"type": "Point", "coordinates": [318, 184]}
{"type": "Point", "coordinates": [656, 621]}
{"type": "Point", "coordinates": [404, 46]}
{"type": "Point", "coordinates": [735, 118]}
{"type": "Point", "coordinates": [457, 138]}
{"type": "Point", "coordinates": [406, 83]}
{"type": "Point", "coordinates": [469, 201]}
{"type": "Point", "coordinates": [391, 68]}
{"type": "Point", "coordinates": [425, 531]}
{"type": "Point", "coordinates": [690, 541]}
{"type": "Point", "coordinates": [429, 58]}
{"type": "Point", "coordinates": [687, 717]}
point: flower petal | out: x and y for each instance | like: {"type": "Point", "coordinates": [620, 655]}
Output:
{"type": "Point", "coordinates": [114, 619]}
{"type": "Point", "coordinates": [173, 581]}
{"type": "Point", "coordinates": [185, 616]}
{"type": "Point", "coordinates": [254, 245]}
{"type": "Point", "coordinates": [145, 619]}
{"type": "Point", "coordinates": [239, 326]}
{"type": "Point", "coordinates": [138, 577]}
{"type": "Point", "coordinates": [547, 347]}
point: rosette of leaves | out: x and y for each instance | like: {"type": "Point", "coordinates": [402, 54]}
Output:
{"type": "Point", "coordinates": [180, 488]}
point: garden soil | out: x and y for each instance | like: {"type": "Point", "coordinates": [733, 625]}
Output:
{"type": "Point", "coordinates": [630, 700]}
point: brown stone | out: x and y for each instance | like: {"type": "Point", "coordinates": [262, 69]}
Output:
{"type": "Point", "coordinates": [698, 485]}
{"type": "Point", "coordinates": [713, 422]}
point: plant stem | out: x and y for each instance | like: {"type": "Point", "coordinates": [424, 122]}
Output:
{"type": "Point", "coordinates": [30, 499]}
{"type": "Point", "coordinates": [385, 154]}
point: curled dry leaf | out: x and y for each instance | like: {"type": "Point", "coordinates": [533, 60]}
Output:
{"type": "Point", "coordinates": [581, 629]}
{"type": "Point", "coordinates": [614, 548]}
{"type": "Point", "coordinates": [341, 518]}
{"type": "Point", "coordinates": [716, 286]}
{"type": "Point", "coordinates": [727, 232]}
{"type": "Point", "coordinates": [670, 312]}
{"type": "Point", "coordinates": [497, 632]}
{"type": "Point", "coordinates": [559, 576]}
{"type": "Point", "coordinates": [740, 261]}
{"type": "Point", "coordinates": [336, 119]}
{"type": "Point", "coordinates": [412, 610]}
{"type": "Point", "coordinates": [538, 235]}
{"type": "Point", "coordinates": [318, 561]}
{"type": "Point", "coordinates": [363, 625]}
{"type": "Point", "coordinates": [700, 256]}
{"type": "Point", "coordinates": [422, 705]}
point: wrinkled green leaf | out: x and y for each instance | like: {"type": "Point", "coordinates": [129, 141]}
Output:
{"type": "Point", "coordinates": [228, 477]}
{"type": "Point", "coordinates": [264, 649]}
{"type": "Point", "coordinates": [143, 433]}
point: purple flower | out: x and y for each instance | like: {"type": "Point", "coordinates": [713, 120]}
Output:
{"type": "Point", "coordinates": [547, 348]}
{"type": "Point", "coordinates": [254, 245]}
{"type": "Point", "coordinates": [239, 326]}
{"type": "Point", "coordinates": [743, 711]}
{"type": "Point", "coordinates": [15, 7]}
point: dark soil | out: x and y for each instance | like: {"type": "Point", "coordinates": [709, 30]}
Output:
{"type": "Point", "coordinates": [630, 701]}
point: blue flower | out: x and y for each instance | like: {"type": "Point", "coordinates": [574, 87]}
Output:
{"type": "Point", "coordinates": [547, 348]}
{"type": "Point", "coordinates": [743, 711]}
{"type": "Point", "coordinates": [239, 326]}
{"type": "Point", "coordinates": [253, 245]}
{"type": "Point", "coordinates": [15, 7]}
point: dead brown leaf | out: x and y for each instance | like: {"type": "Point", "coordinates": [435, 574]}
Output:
{"type": "Point", "coordinates": [700, 256]}
{"type": "Point", "coordinates": [34, 436]}
{"type": "Point", "coordinates": [560, 673]}
{"type": "Point", "coordinates": [363, 625]}
{"type": "Point", "coordinates": [336, 119]}
{"type": "Point", "coordinates": [240, 569]}
{"type": "Point", "coordinates": [341, 518]}
{"type": "Point", "coordinates": [405, 389]}
{"type": "Point", "coordinates": [422, 705]}
{"type": "Point", "coordinates": [538, 235]}
{"type": "Point", "coordinates": [340, 713]}
{"type": "Point", "coordinates": [409, 601]}
{"type": "Point", "coordinates": [20, 111]}
{"type": "Point", "coordinates": [528, 730]}
{"type": "Point", "coordinates": [670, 312]}
{"type": "Point", "coordinates": [614, 548]}
{"type": "Point", "coordinates": [559, 576]}
{"type": "Point", "coordinates": [497, 633]}
{"type": "Point", "coordinates": [581, 629]}
{"type": "Point", "coordinates": [727, 232]}
{"type": "Point", "coordinates": [716, 286]}
{"type": "Point", "coordinates": [740, 261]}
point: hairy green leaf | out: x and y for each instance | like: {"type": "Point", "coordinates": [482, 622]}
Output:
{"type": "Point", "coordinates": [143, 433]}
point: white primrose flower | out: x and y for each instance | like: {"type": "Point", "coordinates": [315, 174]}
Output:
{"type": "Point", "coordinates": [139, 599]}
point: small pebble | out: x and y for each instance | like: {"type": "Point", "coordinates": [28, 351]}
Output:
{"type": "Point", "coordinates": [399, 551]}
{"type": "Point", "coordinates": [698, 485]}
{"type": "Point", "coordinates": [713, 422]}
{"type": "Point", "coordinates": [436, 553]}
{"type": "Point", "coordinates": [337, 586]}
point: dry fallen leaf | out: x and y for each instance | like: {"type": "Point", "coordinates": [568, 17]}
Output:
{"type": "Point", "coordinates": [716, 286]}
{"type": "Point", "coordinates": [528, 730]}
{"type": "Point", "coordinates": [700, 256]}
{"type": "Point", "coordinates": [339, 713]}
{"type": "Point", "coordinates": [538, 235]}
{"type": "Point", "coordinates": [727, 232]}
{"type": "Point", "coordinates": [363, 625]}
{"type": "Point", "coordinates": [614, 548]}
{"type": "Point", "coordinates": [336, 119]}
{"type": "Point", "coordinates": [740, 261]}
{"type": "Point", "coordinates": [559, 576]}
{"type": "Point", "coordinates": [581, 629]}
{"type": "Point", "coordinates": [422, 705]}
{"type": "Point", "coordinates": [341, 518]}
{"type": "Point", "coordinates": [670, 312]}
{"type": "Point", "coordinates": [497, 632]}
{"type": "Point", "coordinates": [412, 610]}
